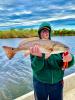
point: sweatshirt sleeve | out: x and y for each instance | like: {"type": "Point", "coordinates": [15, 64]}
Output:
{"type": "Point", "coordinates": [37, 63]}
{"type": "Point", "coordinates": [70, 64]}
{"type": "Point", "coordinates": [55, 61]}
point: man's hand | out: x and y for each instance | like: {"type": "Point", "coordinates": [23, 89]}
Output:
{"type": "Point", "coordinates": [36, 51]}
{"type": "Point", "coordinates": [66, 57]}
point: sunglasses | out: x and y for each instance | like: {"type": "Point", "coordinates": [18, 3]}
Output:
{"type": "Point", "coordinates": [45, 31]}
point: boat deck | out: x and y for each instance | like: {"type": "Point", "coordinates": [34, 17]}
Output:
{"type": "Point", "coordinates": [70, 95]}
{"type": "Point", "coordinates": [69, 90]}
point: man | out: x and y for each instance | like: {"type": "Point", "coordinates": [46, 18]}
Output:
{"type": "Point", "coordinates": [47, 69]}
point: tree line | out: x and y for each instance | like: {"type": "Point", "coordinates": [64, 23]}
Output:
{"type": "Point", "coordinates": [26, 33]}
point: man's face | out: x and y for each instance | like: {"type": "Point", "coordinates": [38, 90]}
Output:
{"type": "Point", "coordinates": [45, 34]}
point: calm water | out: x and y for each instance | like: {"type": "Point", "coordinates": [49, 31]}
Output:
{"type": "Point", "coordinates": [16, 74]}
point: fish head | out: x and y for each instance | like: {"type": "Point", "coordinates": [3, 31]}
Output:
{"type": "Point", "coordinates": [60, 48]}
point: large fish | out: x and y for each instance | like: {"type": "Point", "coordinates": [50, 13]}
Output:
{"type": "Point", "coordinates": [46, 46]}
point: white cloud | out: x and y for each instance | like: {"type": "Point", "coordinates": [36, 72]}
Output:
{"type": "Point", "coordinates": [6, 1]}
{"type": "Point", "coordinates": [65, 7]}
{"type": "Point", "coordinates": [48, 19]}
{"type": "Point", "coordinates": [22, 12]}
{"type": "Point", "coordinates": [33, 22]}
{"type": "Point", "coordinates": [71, 7]}
{"type": "Point", "coordinates": [55, 7]}
{"type": "Point", "coordinates": [1, 8]}
{"type": "Point", "coordinates": [19, 12]}
{"type": "Point", "coordinates": [9, 9]}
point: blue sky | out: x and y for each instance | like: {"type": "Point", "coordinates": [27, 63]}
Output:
{"type": "Point", "coordinates": [31, 13]}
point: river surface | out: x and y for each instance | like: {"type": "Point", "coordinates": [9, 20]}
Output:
{"type": "Point", "coordinates": [16, 74]}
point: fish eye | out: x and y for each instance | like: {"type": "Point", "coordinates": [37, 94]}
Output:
{"type": "Point", "coordinates": [12, 48]}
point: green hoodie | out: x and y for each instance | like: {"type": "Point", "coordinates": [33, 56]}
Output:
{"type": "Point", "coordinates": [48, 70]}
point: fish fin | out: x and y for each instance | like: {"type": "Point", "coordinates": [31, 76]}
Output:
{"type": "Point", "coordinates": [27, 40]}
{"type": "Point", "coordinates": [9, 51]}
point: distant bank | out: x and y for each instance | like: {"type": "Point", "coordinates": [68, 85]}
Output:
{"type": "Point", "coordinates": [27, 33]}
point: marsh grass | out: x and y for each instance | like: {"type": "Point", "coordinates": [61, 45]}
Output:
{"type": "Point", "coordinates": [26, 33]}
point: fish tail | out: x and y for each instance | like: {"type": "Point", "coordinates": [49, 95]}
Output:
{"type": "Point", "coordinates": [10, 51]}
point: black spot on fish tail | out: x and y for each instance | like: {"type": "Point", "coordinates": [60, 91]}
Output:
{"type": "Point", "coordinates": [12, 48]}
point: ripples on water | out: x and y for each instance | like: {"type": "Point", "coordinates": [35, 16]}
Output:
{"type": "Point", "coordinates": [16, 74]}
{"type": "Point", "coordinates": [15, 77]}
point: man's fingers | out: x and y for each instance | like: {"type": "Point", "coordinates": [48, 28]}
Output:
{"type": "Point", "coordinates": [36, 48]}
{"type": "Point", "coordinates": [31, 50]}
{"type": "Point", "coordinates": [67, 56]}
{"type": "Point", "coordinates": [35, 51]}
{"type": "Point", "coordinates": [65, 53]}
